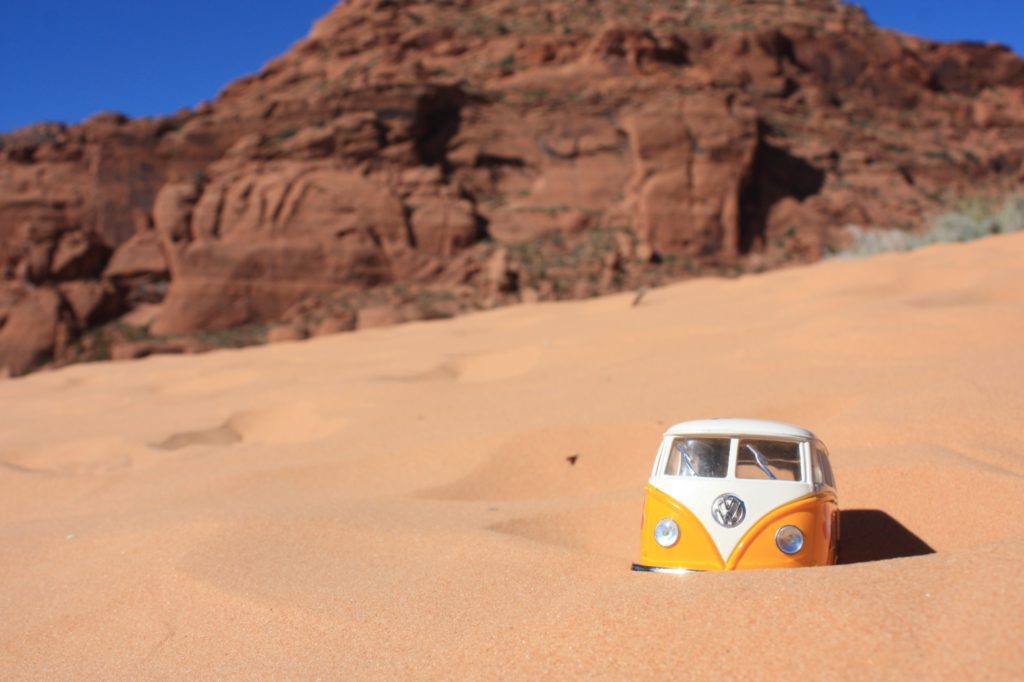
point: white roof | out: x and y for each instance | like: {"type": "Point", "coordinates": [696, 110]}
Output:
{"type": "Point", "coordinates": [738, 427]}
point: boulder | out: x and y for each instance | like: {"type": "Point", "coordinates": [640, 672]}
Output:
{"type": "Point", "coordinates": [222, 285]}
{"type": "Point", "coordinates": [10, 295]}
{"type": "Point", "coordinates": [124, 349]}
{"type": "Point", "coordinates": [27, 337]}
{"type": "Point", "coordinates": [285, 332]}
{"type": "Point", "coordinates": [78, 255]}
{"type": "Point", "coordinates": [339, 321]}
{"type": "Point", "coordinates": [276, 236]}
{"type": "Point", "coordinates": [379, 316]}
{"type": "Point", "coordinates": [91, 302]}
{"type": "Point", "coordinates": [143, 254]}
{"type": "Point", "coordinates": [35, 266]}
{"type": "Point", "coordinates": [442, 225]}
{"type": "Point", "coordinates": [172, 211]}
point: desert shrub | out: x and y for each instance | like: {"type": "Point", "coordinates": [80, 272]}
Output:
{"type": "Point", "coordinates": [978, 220]}
{"type": "Point", "coordinates": [508, 64]}
{"type": "Point", "coordinates": [971, 220]}
{"type": "Point", "coordinates": [234, 337]}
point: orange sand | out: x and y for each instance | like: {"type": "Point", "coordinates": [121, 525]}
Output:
{"type": "Point", "coordinates": [398, 503]}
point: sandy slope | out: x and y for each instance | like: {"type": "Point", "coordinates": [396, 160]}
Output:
{"type": "Point", "coordinates": [398, 502]}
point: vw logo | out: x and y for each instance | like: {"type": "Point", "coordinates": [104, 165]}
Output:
{"type": "Point", "coordinates": [728, 510]}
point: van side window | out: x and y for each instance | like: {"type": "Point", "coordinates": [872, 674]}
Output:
{"type": "Point", "coordinates": [822, 467]}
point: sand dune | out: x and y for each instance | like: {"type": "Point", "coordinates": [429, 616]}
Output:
{"type": "Point", "coordinates": [401, 502]}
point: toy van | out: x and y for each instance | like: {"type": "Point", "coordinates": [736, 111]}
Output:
{"type": "Point", "coordinates": [729, 494]}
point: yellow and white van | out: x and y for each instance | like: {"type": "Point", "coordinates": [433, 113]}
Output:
{"type": "Point", "coordinates": [730, 494]}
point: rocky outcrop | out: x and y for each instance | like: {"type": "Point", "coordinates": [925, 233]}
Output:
{"type": "Point", "coordinates": [692, 158]}
{"type": "Point", "coordinates": [415, 159]}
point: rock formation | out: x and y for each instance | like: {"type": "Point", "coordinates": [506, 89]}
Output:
{"type": "Point", "coordinates": [414, 159]}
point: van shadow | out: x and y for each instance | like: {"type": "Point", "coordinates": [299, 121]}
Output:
{"type": "Point", "coordinates": [873, 535]}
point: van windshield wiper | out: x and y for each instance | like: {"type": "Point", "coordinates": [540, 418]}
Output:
{"type": "Point", "coordinates": [761, 461]}
{"type": "Point", "coordinates": [687, 462]}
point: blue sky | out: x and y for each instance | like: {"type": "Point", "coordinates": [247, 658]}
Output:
{"type": "Point", "coordinates": [67, 59]}
{"type": "Point", "coordinates": [999, 21]}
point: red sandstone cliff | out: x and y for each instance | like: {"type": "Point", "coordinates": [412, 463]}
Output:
{"type": "Point", "coordinates": [415, 159]}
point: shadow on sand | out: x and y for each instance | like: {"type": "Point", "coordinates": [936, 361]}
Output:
{"type": "Point", "coordinates": [873, 535]}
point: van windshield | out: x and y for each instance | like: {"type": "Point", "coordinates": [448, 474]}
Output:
{"type": "Point", "coordinates": [773, 460]}
{"type": "Point", "coordinates": [698, 457]}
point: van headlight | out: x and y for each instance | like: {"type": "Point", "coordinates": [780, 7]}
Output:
{"type": "Point", "coordinates": [789, 539]}
{"type": "Point", "coordinates": [666, 533]}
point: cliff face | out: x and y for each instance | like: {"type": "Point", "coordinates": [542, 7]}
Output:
{"type": "Point", "coordinates": [415, 159]}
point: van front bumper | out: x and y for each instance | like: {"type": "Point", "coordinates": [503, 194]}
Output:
{"type": "Point", "coordinates": [662, 569]}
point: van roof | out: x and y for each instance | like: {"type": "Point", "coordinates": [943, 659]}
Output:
{"type": "Point", "coordinates": [731, 427]}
